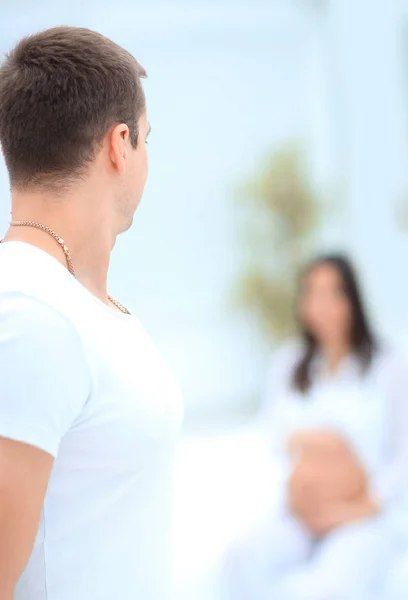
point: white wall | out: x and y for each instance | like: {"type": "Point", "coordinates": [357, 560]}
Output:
{"type": "Point", "coordinates": [369, 41]}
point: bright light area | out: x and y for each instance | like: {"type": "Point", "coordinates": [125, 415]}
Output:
{"type": "Point", "coordinates": [224, 485]}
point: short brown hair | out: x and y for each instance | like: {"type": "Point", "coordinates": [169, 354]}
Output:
{"type": "Point", "coordinates": [60, 92]}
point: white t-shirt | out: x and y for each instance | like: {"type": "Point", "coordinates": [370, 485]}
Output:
{"type": "Point", "coordinates": [84, 383]}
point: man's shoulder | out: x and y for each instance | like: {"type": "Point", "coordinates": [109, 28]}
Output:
{"type": "Point", "coordinates": [33, 278]}
{"type": "Point", "coordinates": [28, 322]}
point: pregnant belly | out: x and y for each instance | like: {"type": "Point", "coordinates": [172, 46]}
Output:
{"type": "Point", "coordinates": [326, 468]}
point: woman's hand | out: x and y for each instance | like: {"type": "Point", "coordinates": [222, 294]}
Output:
{"type": "Point", "coordinates": [331, 516]}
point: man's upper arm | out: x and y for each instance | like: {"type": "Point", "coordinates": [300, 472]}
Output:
{"type": "Point", "coordinates": [24, 475]}
{"type": "Point", "coordinates": [44, 383]}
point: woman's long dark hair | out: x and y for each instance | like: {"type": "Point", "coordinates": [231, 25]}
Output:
{"type": "Point", "coordinates": [362, 340]}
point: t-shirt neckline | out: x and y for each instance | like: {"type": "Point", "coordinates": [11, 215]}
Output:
{"type": "Point", "coordinates": [58, 264]}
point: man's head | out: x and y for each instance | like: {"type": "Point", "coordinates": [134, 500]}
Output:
{"type": "Point", "coordinates": [72, 104]}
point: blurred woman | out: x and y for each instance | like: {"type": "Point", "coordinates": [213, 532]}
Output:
{"type": "Point", "coordinates": [337, 412]}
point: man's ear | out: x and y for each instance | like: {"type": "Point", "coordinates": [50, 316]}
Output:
{"type": "Point", "coordinates": [117, 140]}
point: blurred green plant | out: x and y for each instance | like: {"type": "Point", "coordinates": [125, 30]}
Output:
{"type": "Point", "coordinates": [278, 215]}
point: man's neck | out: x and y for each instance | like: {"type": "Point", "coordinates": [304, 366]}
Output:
{"type": "Point", "coordinates": [89, 240]}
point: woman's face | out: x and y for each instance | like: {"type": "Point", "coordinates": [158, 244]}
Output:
{"type": "Point", "coordinates": [324, 309]}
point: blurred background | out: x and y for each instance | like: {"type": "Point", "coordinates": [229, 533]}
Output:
{"type": "Point", "coordinates": [279, 130]}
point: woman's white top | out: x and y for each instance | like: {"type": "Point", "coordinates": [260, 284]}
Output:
{"type": "Point", "coordinates": [84, 383]}
{"type": "Point", "coordinates": [369, 410]}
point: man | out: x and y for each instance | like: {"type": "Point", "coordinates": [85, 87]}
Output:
{"type": "Point", "coordinates": [88, 411]}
